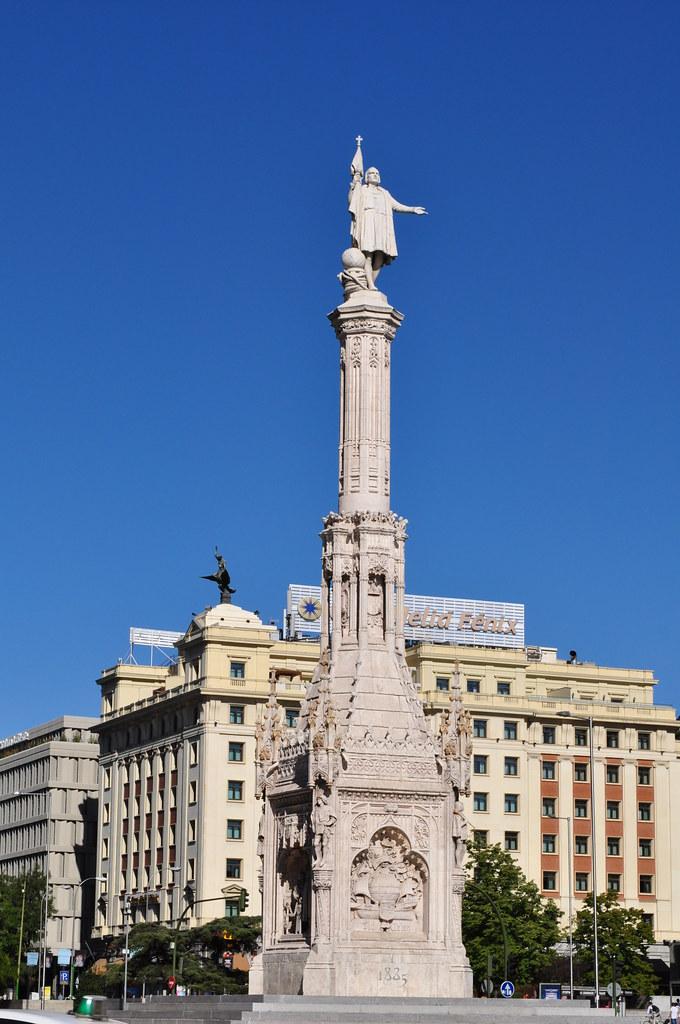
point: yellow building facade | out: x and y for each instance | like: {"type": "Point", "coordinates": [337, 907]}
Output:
{"type": "Point", "coordinates": [178, 818]}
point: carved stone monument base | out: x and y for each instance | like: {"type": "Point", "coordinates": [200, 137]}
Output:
{"type": "Point", "coordinates": [406, 973]}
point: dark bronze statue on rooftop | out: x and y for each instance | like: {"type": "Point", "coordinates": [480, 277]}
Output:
{"type": "Point", "coordinates": [222, 579]}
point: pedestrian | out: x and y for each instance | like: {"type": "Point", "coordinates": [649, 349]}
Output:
{"type": "Point", "coordinates": [675, 1011]}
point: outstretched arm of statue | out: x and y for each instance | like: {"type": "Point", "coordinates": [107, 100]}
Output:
{"type": "Point", "coordinates": [400, 208]}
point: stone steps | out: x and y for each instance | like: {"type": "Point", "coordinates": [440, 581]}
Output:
{"type": "Point", "coordinates": [356, 1010]}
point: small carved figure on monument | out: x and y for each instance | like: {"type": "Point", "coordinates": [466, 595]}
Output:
{"type": "Point", "coordinates": [459, 832]}
{"type": "Point", "coordinates": [222, 579]}
{"type": "Point", "coordinates": [376, 602]}
{"type": "Point", "coordinates": [324, 820]}
{"type": "Point", "coordinates": [372, 208]}
{"type": "Point", "coordinates": [464, 730]}
{"type": "Point", "coordinates": [344, 606]}
{"type": "Point", "coordinates": [260, 833]}
{"type": "Point", "coordinates": [292, 909]}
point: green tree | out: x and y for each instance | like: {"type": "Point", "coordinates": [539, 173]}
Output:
{"type": "Point", "coordinates": [622, 940]}
{"type": "Point", "coordinates": [11, 899]}
{"type": "Point", "coordinates": [198, 958]}
{"type": "Point", "coordinates": [531, 922]}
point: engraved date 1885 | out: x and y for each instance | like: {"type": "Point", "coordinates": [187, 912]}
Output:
{"type": "Point", "coordinates": [393, 974]}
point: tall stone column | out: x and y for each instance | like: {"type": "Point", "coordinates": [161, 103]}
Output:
{"type": "Point", "coordinates": [363, 833]}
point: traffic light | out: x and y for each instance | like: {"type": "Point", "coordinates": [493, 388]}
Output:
{"type": "Point", "coordinates": [243, 900]}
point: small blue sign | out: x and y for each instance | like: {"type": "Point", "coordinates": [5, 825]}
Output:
{"type": "Point", "coordinates": [32, 959]}
{"type": "Point", "coordinates": [64, 957]}
{"type": "Point", "coordinates": [507, 990]}
{"type": "Point", "coordinates": [63, 977]}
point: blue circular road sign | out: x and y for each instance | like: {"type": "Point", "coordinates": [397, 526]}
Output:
{"type": "Point", "coordinates": [507, 990]}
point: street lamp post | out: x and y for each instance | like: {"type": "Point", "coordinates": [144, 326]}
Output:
{"type": "Point", "coordinates": [127, 911]}
{"type": "Point", "coordinates": [21, 937]}
{"type": "Point", "coordinates": [593, 848]}
{"type": "Point", "coordinates": [46, 896]}
{"type": "Point", "coordinates": [570, 861]}
{"type": "Point", "coordinates": [77, 885]}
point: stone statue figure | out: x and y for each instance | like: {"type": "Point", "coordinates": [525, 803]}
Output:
{"type": "Point", "coordinates": [222, 579]}
{"type": "Point", "coordinates": [324, 820]}
{"type": "Point", "coordinates": [459, 832]}
{"type": "Point", "coordinates": [372, 209]}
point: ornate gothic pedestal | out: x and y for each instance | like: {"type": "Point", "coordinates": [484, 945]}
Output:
{"type": "Point", "coordinates": [362, 831]}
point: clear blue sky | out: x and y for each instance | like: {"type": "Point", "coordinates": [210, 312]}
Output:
{"type": "Point", "coordinates": [173, 194]}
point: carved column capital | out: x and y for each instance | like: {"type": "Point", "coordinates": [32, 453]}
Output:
{"type": "Point", "coordinates": [322, 878]}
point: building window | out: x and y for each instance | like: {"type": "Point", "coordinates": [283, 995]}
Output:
{"type": "Point", "coordinates": [105, 848]}
{"type": "Point", "coordinates": [644, 776]}
{"type": "Point", "coordinates": [646, 884]}
{"type": "Point", "coordinates": [193, 754]}
{"type": "Point", "coordinates": [480, 763]}
{"type": "Point", "coordinates": [481, 838]}
{"type": "Point", "coordinates": [236, 751]}
{"type": "Point", "coordinates": [511, 803]}
{"type": "Point", "coordinates": [292, 715]}
{"type": "Point", "coordinates": [548, 808]}
{"type": "Point", "coordinates": [479, 728]}
{"type": "Point", "coordinates": [503, 688]}
{"type": "Point", "coordinates": [234, 790]}
{"type": "Point", "coordinates": [612, 737]}
{"type": "Point", "coordinates": [549, 843]}
{"type": "Point", "coordinates": [548, 769]}
{"type": "Point", "coordinates": [581, 737]}
{"type": "Point", "coordinates": [233, 867]}
{"type": "Point", "coordinates": [580, 771]}
{"type": "Point", "coordinates": [613, 846]}
{"type": "Point", "coordinates": [648, 919]}
{"type": "Point", "coordinates": [107, 778]}
{"type": "Point", "coordinates": [613, 883]}
{"type": "Point", "coordinates": [580, 808]}
{"type": "Point", "coordinates": [236, 714]}
{"type": "Point", "coordinates": [613, 808]}
{"type": "Point", "coordinates": [510, 765]}
{"type": "Point", "coordinates": [644, 812]}
{"type": "Point", "coordinates": [581, 845]}
{"type": "Point", "coordinates": [613, 773]}
{"type": "Point", "coordinates": [231, 908]}
{"type": "Point", "coordinates": [480, 802]}
{"type": "Point", "coordinates": [512, 840]}
{"type": "Point", "coordinates": [644, 741]}
{"type": "Point", "coordinates": [644, 847]}
{"type": "Point", "coordinates": [548, 733]}
{"type": "Point", "coordinates": [509, 730]}
{"type": "Point", "coordinates": [237, 670]}
{"type": "Point", "coordinates": [192, 795]}
{"type": "Point", "coordinates": [234, 828]}
{"type": "Point", "coordinates": [582, 881]}
{"type": "Point", "coordinates": [442, 683]}
{"type": "Point", "coordinates": [472, 686]}
{"type": "Point", "coordinates": [549, 881]}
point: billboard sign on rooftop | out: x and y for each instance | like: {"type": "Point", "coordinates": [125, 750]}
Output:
{"type": "Point", "coordinates": [449, 620]}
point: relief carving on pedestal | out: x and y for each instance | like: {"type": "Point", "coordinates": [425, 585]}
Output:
{"type": "Point", "coordinates": [388, 885]}
{"type": "Point", "coordinates": [358, 835]}
{"type": "Point", "coordinates": [293, 892]}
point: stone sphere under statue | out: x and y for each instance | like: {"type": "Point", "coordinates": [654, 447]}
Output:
{"type": "Point", "coordinates": [353, 259]}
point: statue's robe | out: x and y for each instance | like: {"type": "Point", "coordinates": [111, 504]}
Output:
{"type": "Point", "coordinates": [372, 229]}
